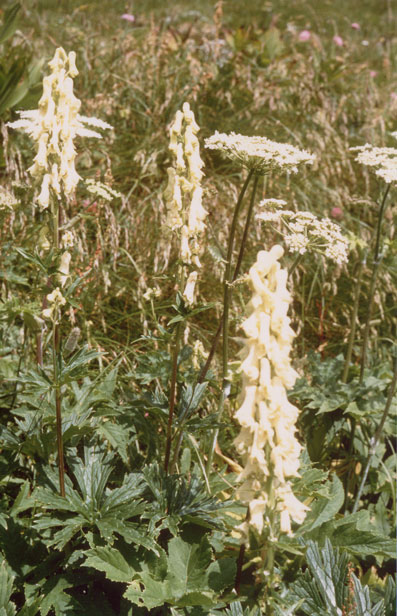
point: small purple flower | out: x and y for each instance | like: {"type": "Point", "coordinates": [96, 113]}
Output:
{"type": "Point", "coordinates": [304, 36]}
{"type": "Point", "coordinates": [128, 17]}
{"type": "Point", "coordinates": [373, 74]}
{"type": "Point", "coordinates": [355, 26]}
{"type": "Point", "coordinates": [338, 40]}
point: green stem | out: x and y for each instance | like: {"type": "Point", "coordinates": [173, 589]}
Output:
{"type": "Point", "coordinates": [375, 439]}
{"type": "Point", "coordinates": [295, 264]}
{"type": "Point", "coordinates": [56, 349]}
{"type": "Point", "coordinates": [376, 263]}
{"type": "Point", "coordinates": [172, 397]}
{"type": "Point", "coordinates": [352, 332]}
{"type": "Point", "coordinates": [245, 233]}
{"type": "Point", "coordinates": [226, 301]}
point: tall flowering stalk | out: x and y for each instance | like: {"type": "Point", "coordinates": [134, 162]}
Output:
{"type": "Point", "coordinates": [54, 126]}
{"type": "Point", "coordinates": [186, 219]}
{"type": "Point", "coordinates": [267, 442]}
{"type": "Point", "coordinates": [260, 156]}
{"type": "Point", "coordinates": [383, 162]}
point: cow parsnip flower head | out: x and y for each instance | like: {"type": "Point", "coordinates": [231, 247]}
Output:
{"type": "Point", "coordinates": [54, 126]}
{"type": "Point", "coordinates": [259, 153]}
{"type": "Point", "coordinates": [304, 232]}
{"type": "Point", "coordinates": [267, 442]}
{"type": "Point", "coordinates": [383, 160]}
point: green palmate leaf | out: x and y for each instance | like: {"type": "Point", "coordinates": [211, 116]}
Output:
{"type": "Point", "coordinates": [363, 543]}
{"type": "Point", "coordinates": [56, 598]}
{"type": "Point", "coordinates": [111, 562]}
{"type": "Point", "coordinates": [76, 365]}
{"type": "Point", "coordinates": [357, 535]}
{"type": "Point", "coordinates": [22, 501]}
{"type": "Point", "coordinates": [185, 577]}
{"type": "Point", "coordinates": [190, 399]}
{"type": "Point", "coordinates": [363, 602]}
{"type": "Point", "coordinates": [326, 506]}
{"type": "Point", "coordinates": [322, 587]}
{"type": "Point", "coordinates": [155, 593]}
{"type": "Point", "coordinates": [221, 574]}
{"type": "Point", "coordinates": [390, 597]}
{"type": "Point", "coordinates": [7, 608]}
{"type": "Point", "coordinates": [117, 436]}
{"type": "Point", "coordinates": [188, 565]}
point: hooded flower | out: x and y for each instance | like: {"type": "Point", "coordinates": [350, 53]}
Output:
{"type": "Point", "coordinates": [54, 126]}
{"type": "Point", "coordinates": [183, 194]}
{"type": "Point", "coordinates": [267, 442]}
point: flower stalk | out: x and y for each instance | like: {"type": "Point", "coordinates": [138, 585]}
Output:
{"type": "Point", "coordinates": [227, 279]}
{"type": "Point", "coordinates": [375, 267]}
{"type": "Point", "coordinates": [185, 219]}
{"type": "Point", "coordinates": [54, 126]}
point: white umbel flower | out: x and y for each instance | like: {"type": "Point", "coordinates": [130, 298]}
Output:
{"type": "Point", "coordinates": [383, 160]}
{"type": "Point", "coordinates": [259, 153]}
{"type": "Point", "coordinates": [54, 126]}
{"type": "Point", "coordinates": [267, 442]}
{"type": "Point", "coordinates": [304, 232]}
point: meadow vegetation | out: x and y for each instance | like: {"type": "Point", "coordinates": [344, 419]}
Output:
{"type": "Point", "coordinates": [198, 220]}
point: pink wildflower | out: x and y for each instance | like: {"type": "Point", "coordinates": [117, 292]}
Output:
{"type": "Point", "coordinates": [128, 17]}
{"type": "Point", "coordinates": [355, 26]}
{"type": "Point", "coordinates": [337, 213]}
{"type": "Point", "coordinates": [373, 74]}
{"type": "Point", "coordinates": [304, 36]}
{"type": "Point", "coordinates": [338, 40]}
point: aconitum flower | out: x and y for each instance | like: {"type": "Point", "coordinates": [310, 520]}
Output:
{"type": "Point", "coordinates": [54, 126]}
{"type": "Point", "coordinates": [383, 160]}
{"type": "Point", "coordinates": [56, 300]}
{"type": "Point", "coordinates": [267, 442]}
{"type": "Point", "coordinates": [183, 194]}
{"type": "Point", "coordinates": [259, 153]}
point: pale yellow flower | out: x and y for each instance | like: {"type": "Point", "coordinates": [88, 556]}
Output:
{"type": "Point", "coordinates": [267, 442]}
{"type": "Point", "coordinates": [54, 126]}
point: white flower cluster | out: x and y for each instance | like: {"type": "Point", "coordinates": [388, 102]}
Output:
{"type": "Point", "coordinates": [102, 190]}
{"type": "Point", "coordinates": [183, 194]}
{"type": "Point", "coordinates": [267, 440]}
{"type": "Point", "coordinates": [54, 126]}
{"type": "Point", "coordinates": [306, 232]}
{"type": "Point", "coordinates": [259, 153]}
{"type": "Point", "coordinates": [383, 159]}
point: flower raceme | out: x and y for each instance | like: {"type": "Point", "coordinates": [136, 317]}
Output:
{"type": "Point", "coordinates": [54, 126]}
{"type": "Point", "coordinates": [259, 153]}
{"type": "Point", "coordinates": [267, 442]}
{"type": "Point", "coordinates": [183, 194]}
